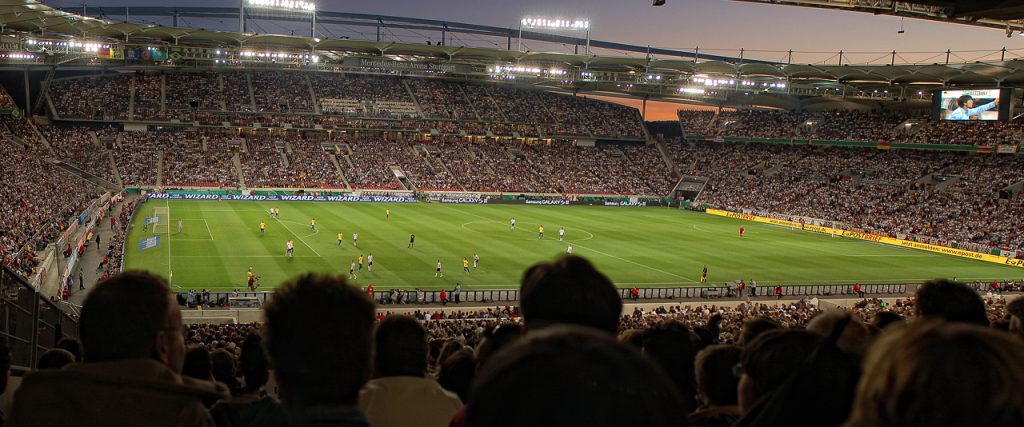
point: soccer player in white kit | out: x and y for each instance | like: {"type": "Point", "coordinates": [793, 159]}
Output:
{"type": "Point", "coordinates": [476, 259]}
{"type": "Point", "coordinates": [561, 234]}
{"type": "Point", "coordinates": [569, 249]}
{"type": "Point", "coordinates": [369, 262]}
{"type": "Point", "coordinates": [291, 248]}
{"type": "Point", "coordinates": [513, 222]}
{"type": "Point", "coordinates": [355, 239]}
{"type": "Point", "coordinates": [437, 272]}
{"type": "Point", "coordinates": [352, 270]}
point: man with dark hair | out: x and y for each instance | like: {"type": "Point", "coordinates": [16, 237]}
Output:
{"type": "Point", "coordinates": [250, 406]}
{"type": "Point", "coordinates": [400, 395]}
{"type": "Point", "coordinates": [55, 358]}
{"type": "Point", "coordinates": [965, 108]}
{"type": "Point", "coordinates": [754, 327]}
{"type": "Point", "coordinates": [72, 345]}
{"type": "Point", "coordinates": [224, 370]}
{"type": "Point", "coordinates": [317, 336]}
{"type": "Point", "coordinates": [134, 347]}
{"type": "Point", "coordinates": [950, 301]}
{"type": "Point", "coordinates": [794, 377]}
{"type": "Point", "coordinates": [716, 386]}
{"type": "Point", "coordinates": [673, 347]}
{"type": "Point", "coordinates": [569, 290]}
{"type": "Point", "coordinates": [1015, 309]}
{"type": "Point", "coordinates": [567, 375]}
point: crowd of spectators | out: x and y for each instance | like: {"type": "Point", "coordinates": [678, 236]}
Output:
{"type": "Point", "coordinates": [104, 97]}
{"type": "Point", "coordinates": [199, 160]}
{"type": "Point", "coordinates": [75, 145]}
{"type": "Point", "coordinates": [911, 126]}
{"type": "Point", "coordinates": [567, 355]}
{"type": "Point", "coordinates": [149, 97]}
{"type": "Point", "coordinates": [885, 192]}
{"type": "Point", "coordinates": [138, 156]}
{"type": "Point", "coordinates": [278, 98]}
{"type": "Point", "coordinates": [282, 91]}
{"type": "Point", "coordinates": [39, 199]}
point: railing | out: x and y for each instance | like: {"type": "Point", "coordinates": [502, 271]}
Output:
{"type": "Point", "coordinates": [386, 297]}
{"type": "Point", "coordinates": [31, 324]}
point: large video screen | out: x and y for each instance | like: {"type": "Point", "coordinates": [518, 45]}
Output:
{"type": "Point", "coordinates": [964, 105]}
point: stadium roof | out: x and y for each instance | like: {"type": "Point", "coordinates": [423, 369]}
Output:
{"type": "Point", "coordinates": [1001, 14]}
{"type": "Point", "coordinates": [34, 17]}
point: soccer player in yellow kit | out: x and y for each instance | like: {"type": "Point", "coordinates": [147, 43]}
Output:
{"type": "Point", "coordinates": [263, 228]}
{"type": "Point", "coordinates": [465, 265]}
{"type": "Point", "coordinates": [540, 232]}
{"type": "Point", "coordinates": [341, 238]}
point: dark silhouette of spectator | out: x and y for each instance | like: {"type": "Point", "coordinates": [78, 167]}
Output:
{"type": "Point", "coordinates": [950, 301]}
{"type": "Point", "coordinates": [571, 376]}
{"type": "Point", "coordinates": [496, 339]}
{"type": "Point", "coordinates": [884, 319]}
{"type": "Point", "coordinates": [318, 337]}
{"type": "Point", "coordinates": [753, 328]}
{"type": "Point", "coordinates": [198, 364]}
{"type": "Point", "coordinates": [716, 387]}
{"type": "Point", "coordinates": [794, 377]}
{"type": "Point", "coordinates": [673, 347]}
{"type": "Point", "coordinates": [55, 358]}
{"type": "Point", "coordinates": [224, 369]}
{"type": "Point", "coordinates": [400, 394]}
{"type": "Point", "coordinates": [72, 345]}
{"type": "Point", "coordinates": [569, 290]}
{"type": "Point", "coordinates": [941, 374]}
{"type": "Point", "coordinates": [1015, 309]}
{"type": "Point", "coordinates": [250, 406]}
{"type": "Point", "coordinates": [133, 342]}
{"type": "Point", "coordinates": [457, 372]}
{"type": "Point", "coordinates": [855, 338]}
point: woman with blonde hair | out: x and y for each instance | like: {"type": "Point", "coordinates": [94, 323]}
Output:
{"type": "Point", "coordinates": [941, 374]}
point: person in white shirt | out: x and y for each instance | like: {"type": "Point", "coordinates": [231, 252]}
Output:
{"type": "Point", "coordinates": [352, 270]}
{"type": "Point", "coordinates": [291, 248]}
{"type": "Point", "coordinates": [476, 260]}
{"type": "Point", "coordinates": [561, 234]}
{"type": "Point", "coordinates": [569, 249]}
{"type": "Point", "coordinates": [513, 222]}
{"type": "Point", "coordinates": [437, 272]}
{"type": "Point", "coordinates": [369, 262]}
{"type": "Point", "coordinates": [355, 239]}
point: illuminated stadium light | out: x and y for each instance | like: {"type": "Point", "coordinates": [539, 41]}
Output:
{"type": "Point", "coordinates": [304, 6]}
{"type": "Point", "coordinates": [556, 24]}
{"type": "Point", "coordinates": [693, 90]}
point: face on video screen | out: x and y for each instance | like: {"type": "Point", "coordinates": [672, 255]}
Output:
{"type": "Point", "coordinates": [967, 105]}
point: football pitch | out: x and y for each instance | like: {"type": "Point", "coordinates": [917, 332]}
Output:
{"type": "Point", "coordinates": [644, 247]}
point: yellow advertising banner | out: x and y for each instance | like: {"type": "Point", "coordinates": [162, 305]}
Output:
{"type": "Point", "coordinates": [873, 238]}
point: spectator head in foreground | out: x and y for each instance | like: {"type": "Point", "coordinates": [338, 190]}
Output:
{"type": "Point", "coordinates": [401, 348]}
{"type": "Point", "coordinates": [572, 376]}
{"type": "Point", "coordinates": [133, 315]}
{"type": "Point", "coordinates": [673, 347]}
{"type": "Point", "coordinates": [399, 395]}
{"type": "Point", "coordinates": [134, 347]}
{"type": "Point", "coordinates": [72, 345]}
{"type": "Point", "coordinates": [950, 301]}
{"type": "Point", "coordinates": [569, 290]}
{"type": "Point", "coordinates": [1016, 311]}
{"type": "Point", "coordinates": [754, 327]}
{"type": "Point", "coordinates": [716, 386]}
{"type": "Point", "coordinates": [797, 378]}
{"type": "Point", "coordinates": [939, 373]}
{"type": "Point", "coordinates": [55, 358]}
{"type": "Point", "coordinates": [855, 337]}
{"type": "Point", "coordinates": [317, 335]}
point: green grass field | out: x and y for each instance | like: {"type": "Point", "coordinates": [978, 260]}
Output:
{"type": "Point", "coordinates": [645, 247]}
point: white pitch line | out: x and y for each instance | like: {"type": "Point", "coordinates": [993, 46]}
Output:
{"type": "Point", "coordinates": [300, 238]}
{"type": "Point", "coordinates": [208, 228]}
{"type": "Point", "coordinates": [596, 251]}
{"type": "Point", "coordinates": [170, 271]}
